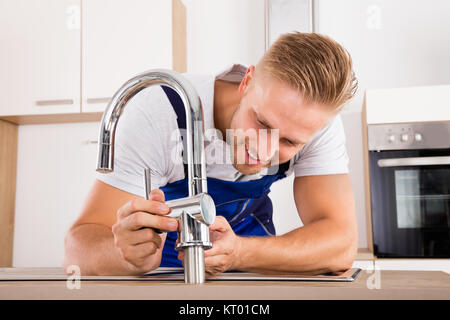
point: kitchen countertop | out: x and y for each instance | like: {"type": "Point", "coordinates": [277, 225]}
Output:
{"type": "Point", "coordinates": [385, 284]}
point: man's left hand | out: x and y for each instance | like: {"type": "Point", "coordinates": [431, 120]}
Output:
{"type": "Point", "coordinates": [224, 253]}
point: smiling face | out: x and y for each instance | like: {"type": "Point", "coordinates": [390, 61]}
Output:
{"type": "Point", "coordinates": [271, 123]}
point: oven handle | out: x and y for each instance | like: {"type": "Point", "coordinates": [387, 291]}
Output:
{"type": "Point", "coordinates": [418, 161]}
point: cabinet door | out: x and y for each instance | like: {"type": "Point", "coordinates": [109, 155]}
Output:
{"type": "Point", "coordinates": [39, 56]}
{"type": "Point", "coordinates": [51, 188]}
{"type": "Point", "coordinates": [120, 40]}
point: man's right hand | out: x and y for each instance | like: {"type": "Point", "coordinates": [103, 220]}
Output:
{"type": "Point", "coordinates": [133, 231]}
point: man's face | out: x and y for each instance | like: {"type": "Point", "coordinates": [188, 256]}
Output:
{"type": "Point", "coordinates": [271, 124]}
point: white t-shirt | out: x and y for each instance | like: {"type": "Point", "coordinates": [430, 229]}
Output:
{"type": "Point", "coordinates": [147, 136]}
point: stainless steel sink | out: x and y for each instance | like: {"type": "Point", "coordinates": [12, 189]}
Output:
{"type": "Point", "coordinates": [164, 274]}
{"type": "Point", "coordinates": [169, 274]}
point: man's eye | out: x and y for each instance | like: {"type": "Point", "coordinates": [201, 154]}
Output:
{"type": "Point", "coordinates": [261, 123]}
{"type": "Point", "coordinates": [289, 142]}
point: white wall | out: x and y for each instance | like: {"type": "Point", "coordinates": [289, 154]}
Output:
{"type": "Point", "coordinates": [221, 32]}
{"type": "Point", "coordinates": [393, 43]}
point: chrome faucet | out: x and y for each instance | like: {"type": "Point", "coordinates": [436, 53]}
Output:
{"type": "Point", "coordinates": [195, 212]}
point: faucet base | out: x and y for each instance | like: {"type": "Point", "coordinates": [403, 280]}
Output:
{"type": "Point", "coordinates": [194, 264]}
{"type": "Point", "coordinates": [204, 244]}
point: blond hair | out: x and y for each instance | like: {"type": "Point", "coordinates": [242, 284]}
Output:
{"type": "Point", "coordinates": [314, 64]}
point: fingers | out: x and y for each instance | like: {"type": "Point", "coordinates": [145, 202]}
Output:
{"type": "Point", "coordinates": [157, 195]}
{"type": "Point", "coordinates": [151, 206]}
{"type": "Point", "coordinates": [181, 255]}
{"type": "Point", "coordinates": [216, 264]}
{"type": "Point", "coordinates": [145, 235]}
{"type": "Point", "coordinates": [140, 220]}
{"type": "Point", "coordinates": [138, 252]}
{"type": "Point", "coordinates": [220, 224]}
{"type": "Point", "coordinates": [213, 265]}
{"type": "Point", "coordinates": [138, 247]}
{"type": "Point", "coordinates": [132, 238]}
{"type": "Point", "coordinates": [215, 251]}
{"type": "Point", "coordinates": [134, 233]}
{"type": "Point", "coordinates": [218, 249]}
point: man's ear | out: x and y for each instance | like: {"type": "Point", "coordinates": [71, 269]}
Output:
{"type": "Point", "coordinates": [245, 83]}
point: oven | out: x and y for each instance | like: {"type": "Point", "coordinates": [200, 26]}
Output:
{"type": "Point", "coordinates": [409, 167]}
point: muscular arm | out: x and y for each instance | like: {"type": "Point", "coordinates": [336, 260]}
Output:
{"type": "Point", "coordinates": [89, 243]}
{"type": "Point", "coordinates": [326, 243]}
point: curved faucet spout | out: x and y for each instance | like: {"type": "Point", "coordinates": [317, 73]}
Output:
{"type": "Point", "coordinates": [193, 145]}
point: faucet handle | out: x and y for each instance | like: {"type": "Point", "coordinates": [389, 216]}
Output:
{"type": "Point", "coordinates": [201, 207]}
{"type": "Point", "coordinates": [147, 187]}
{"type": "Point", "coordinates": [207, 212]}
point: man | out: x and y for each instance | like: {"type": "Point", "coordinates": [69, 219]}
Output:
{"type": "Point", "coordinates": [291, 99]}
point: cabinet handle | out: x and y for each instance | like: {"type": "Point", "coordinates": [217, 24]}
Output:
{"type": "Point", "coordinates": [98, 100]}
{"type": "Point", "coordinates": [53, 102]}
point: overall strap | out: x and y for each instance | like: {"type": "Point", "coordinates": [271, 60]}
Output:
{"type": "Point", "coordinates": [178, 107]}
{"type": "Point", "coordinates": [282, 168]}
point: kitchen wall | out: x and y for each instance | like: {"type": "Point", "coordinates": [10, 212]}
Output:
{"type": "Point", "coordinates": [393, 44]}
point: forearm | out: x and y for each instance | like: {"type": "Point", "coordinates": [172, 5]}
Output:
{"type": "Point", "coordinates": [91, 247]}
{"type": "Point", "coordinates": [315, 248]}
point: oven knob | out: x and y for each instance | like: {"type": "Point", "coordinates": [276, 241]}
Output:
{"type": "Point", "coordinates": [391, 138]}
{"type": "Point", "coordinates": [404, 137]}
{"type": "Point", "coordinates": [418, 137]}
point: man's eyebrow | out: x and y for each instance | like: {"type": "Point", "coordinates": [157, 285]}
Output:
{"type": "Point", "coordinates": [268, 125]}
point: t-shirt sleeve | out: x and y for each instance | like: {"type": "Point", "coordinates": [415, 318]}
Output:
{"type": "Point", "coordinates": [325, 153]}
{"type": "Point", "coordinates": [141, 141]}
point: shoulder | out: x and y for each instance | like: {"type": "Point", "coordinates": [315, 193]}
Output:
{"type": "Point", "coordinates": [325, 153]}
{"type": "Point", "coordinates": [152, 102]}
{"type": "Point", "coordinates": [330, 135]}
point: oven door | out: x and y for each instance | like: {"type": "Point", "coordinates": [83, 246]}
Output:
{"type": "Point", "coordinates": [410, 198]}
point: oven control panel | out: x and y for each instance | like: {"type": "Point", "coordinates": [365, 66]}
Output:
{"type": "Point", "coordinates": [400, 136]}
{"type": "Point", "coordinates": [404, 136]}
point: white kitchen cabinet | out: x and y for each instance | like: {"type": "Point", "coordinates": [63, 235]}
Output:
{"type": "Point", "coordinates": [56, 169]}
{"type": "Point", "coordinates": [414, 264]}
{"type": "Point", "coordinates": [71, 56]}
{"type": "Point", "coordinates": [39, 57]}
{"type": "Point", "coordinates": [120, 40]}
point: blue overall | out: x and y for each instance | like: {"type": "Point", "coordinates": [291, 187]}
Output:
{"type": "Point", "coordinates": [246, 205]}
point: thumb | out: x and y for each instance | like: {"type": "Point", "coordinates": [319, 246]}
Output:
{"type": "Point", "coordinates": [157, 195]}
{"type": "Point", "coordinates": [220, 224]}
